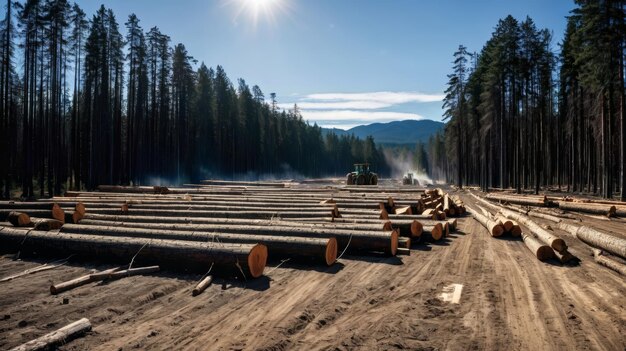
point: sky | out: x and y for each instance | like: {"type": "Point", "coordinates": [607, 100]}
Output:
{"type": "Point", "coordinates": [344, 62]}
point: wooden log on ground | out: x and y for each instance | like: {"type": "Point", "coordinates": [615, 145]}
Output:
{"type": "Point", "coordinates": [539, 201]}
{"type": "Point", "coordinates": [18, 219]}
{"type": "Point", "coordinates": [54, 212]}
{"type": "Point", "coordinates": [73, 217]}
{"type": "Point", "coordinates": [597, 239]}
{"type": "Point", "coordinates": [404, 210]}
{"type": "Point", "coordinates": [124, 273]}
{"type": "Point", "coordinates": [245, 183]}
{"type": "Point", "coordinates": [74, 283]}
{"type": "Point", "coordinates": [495, 228]}
{"type": "Point", "coordinates": [609, 263]}
{"type": "Point", "coordinates": [219, 223]}
{"type": "Point", "coordinates": [202, 285]}
{"type": "Point", "coordinates": [404, 251]}
{"type": "Point", "coordinates": [57, 337]}
{"type": "Point", "coordinates": [408, 227]}
{"type": "Point", "coordinates": [542, 251]}
{"type": "Point", "coordinates": [556, 243]}
{"type": "Point", "coordinates": [222, 214]}
{"type": "Point", "coordinates": [564, 256]}
{"type": "Point", "coordinates": [506, 223]}
{"type": "Point", "coordinates": [188, 255]}
{"type": "Point", "coordinates": [432, 232]}
{"type": "Point", "coordinates": [278, 240]}
{"type": "Point", "coordinates": [601, 209]}
{"type": "Point", "coordinates": [45, 223]}
{"type": "Point", "coordinates": [404, 243]}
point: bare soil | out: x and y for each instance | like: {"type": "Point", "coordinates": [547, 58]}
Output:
{"type": "Point", "coordinates": [510, 300]}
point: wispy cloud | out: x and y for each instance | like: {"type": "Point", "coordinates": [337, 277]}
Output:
{"type": "Point", "coordinates": [388, 97]}
{"type": "Point", "coordinates": [338, 105]}
{"type": "Point", "coordinates": [346, 110]}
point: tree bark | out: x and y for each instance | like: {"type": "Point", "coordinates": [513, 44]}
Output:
{"type": "Point", "coordinates": [278, 240]}
{"type": "Point", "coordinates": [186, 255]}
{"type": "Point", "coordinates": [595, 238]}
{"type": "Point", "coordinates": [541, 251]}
{"type": "Point", "coordinates": [606, 210]}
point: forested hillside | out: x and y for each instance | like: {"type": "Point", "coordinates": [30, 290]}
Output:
{"type": "Point", "coordinates": [522, 116]}
{"type": "Point", "coordinates": [103, 101]}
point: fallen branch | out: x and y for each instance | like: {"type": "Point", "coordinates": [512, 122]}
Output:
{"type": "Point", "coordinates": [57, 337]}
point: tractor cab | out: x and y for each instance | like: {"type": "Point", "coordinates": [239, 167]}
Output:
{"type": "Point", "coordinates": [362, 175]}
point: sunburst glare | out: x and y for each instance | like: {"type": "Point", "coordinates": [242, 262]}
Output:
{"type": "Point", "coordinates": [256, 11]}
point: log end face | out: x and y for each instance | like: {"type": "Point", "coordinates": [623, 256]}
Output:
{"type": "Point", "coordinates": [544, 253]}
{"type": "Point", "coordinates": [559, 245]}
{"type": "Point", "coordinates": [331, 251]}
{"type": "Point", "coordinates": [257, 259]}
{"type": "Point", "coordinates": [58, 213]}
{"type": "Point", "coordinates": [416, 229]}
{"type": "Point", "coordinates": [393, 248]}
{"type": "Point", "coordinates": [387, 226]}
{"type": "Point", "coordinates": [497, 230]}
{"type": "Point", "coordinates": [437, 232]}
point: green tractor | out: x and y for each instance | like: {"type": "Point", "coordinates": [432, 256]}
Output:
{"type": "Point", "coordinates": [362, 175]}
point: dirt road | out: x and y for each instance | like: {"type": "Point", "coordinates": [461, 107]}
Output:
{"type": "Point", "coordinates": [509, 301]}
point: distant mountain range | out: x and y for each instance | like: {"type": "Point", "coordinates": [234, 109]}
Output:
{"type": "Point", "coordinates": [394, 133]}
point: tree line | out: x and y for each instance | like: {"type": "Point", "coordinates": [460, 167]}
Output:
{"type": "Point", "coordinates": [85, 104]}
{"type": "Point", "coordinates": [525, 117]}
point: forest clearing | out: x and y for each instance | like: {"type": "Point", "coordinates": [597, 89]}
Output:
{"type": "Point", "coordinates": [342, 267]}
{"type": "Point", "coordinates": [154, 197]}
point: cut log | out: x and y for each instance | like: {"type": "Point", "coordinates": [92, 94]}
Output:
{"type": "Point", "coordinates": [404, 243]}
{"type": "Point", "coordinates": [404, 251]}
{"type": "Point", "coordinates": [540, 201]}
{"type": "Point", "coordinates": [564, 256]}
{"type": "Point", "coordinates": [74, 283]}
{"type": "Point", "coordinates": [73, 217]}
{"type": "Point", "coordinates": [221, 214]}
{"type": "Point", "coordinates": [597, 239]}
{"type": "Point", "coordinates": [218, 224]}
{"type": "Point", "coordinates": [609, 263]}
{"type": "Point", "coordinates": [601, 209]}
{"type": "Point", "coordinates": [542, 251]}
{"type": "Point", "coordinates": [57, 337]}
{"type": "Point", "coordinates": [506, 223]}
{"type": "Point", "coordinates": [408, 227]}
{"type": "Point", "coordinates": [45, 223]}
{"type": "Point", "coordinates": [405, 210]}
{"type": "Point", "coordinates": [18, 219]}
{"type": "Point", "coordinates": [432, 232]}
{"type": "Point", "coordinates": [187, 255]}
{"type": "Point", "coordinates": [516, 230]}
{"type": "Point", "coordinates": [555, 242]}
{"type": "Point", "coordinates": [495, 228]}
{"type": "Point", "coordinates": [124, 273]}
{"type": "Point", "coordinates": [245, 183]}
{"type": "Point", "coordinates": [278, 240]}
{"type": "Point", "coordinates": [202, 285]}
{"type": "Point", "coordinates": [54, 212]}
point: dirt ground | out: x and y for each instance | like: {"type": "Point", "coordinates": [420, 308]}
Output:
{"type": "Point", "coordinates": [509, 301]}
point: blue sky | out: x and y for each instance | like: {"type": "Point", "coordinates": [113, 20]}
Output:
{"type": "Point", "coordinates": [345, 62]}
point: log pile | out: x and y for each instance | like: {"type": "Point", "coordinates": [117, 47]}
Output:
{"type": "Point", "coordinates": [232, 226]}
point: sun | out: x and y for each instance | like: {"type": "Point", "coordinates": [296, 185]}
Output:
{"type": "Point", "coordinates": [255, 11]}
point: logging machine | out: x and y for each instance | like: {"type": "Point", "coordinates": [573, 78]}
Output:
{"type": "Point", "coordinates": [362, 175]}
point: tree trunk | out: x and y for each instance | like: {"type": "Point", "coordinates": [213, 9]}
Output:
{"type": "Point", "coordinates": [222, 214]}
{"type": "Point", "coordinates": [541, 251]}
{"type": "Point", "coordinates": [18, 219]}
{"type": "Point", "coordinates": [277, 240]}
{"type": "Point", "coordinates": [186, 255]}
{"type": "Point", "coordinates": [494, 228]}
{"type": "Point", "coordinates": [595, 238]}
{"type": "Point", "coordinates": [605, 210]}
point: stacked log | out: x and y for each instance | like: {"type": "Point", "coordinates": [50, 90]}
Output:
{"type": "Point", "coordinates": [601, 209]}
{"type": "Point", "coordinates": [494, 227]}
{"type": "Point", "coordinates": [277, 239]}
{"type": "Point", "coordinates": [528, 200]}
{"type": "Point", "coordinates": [195, 256]}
